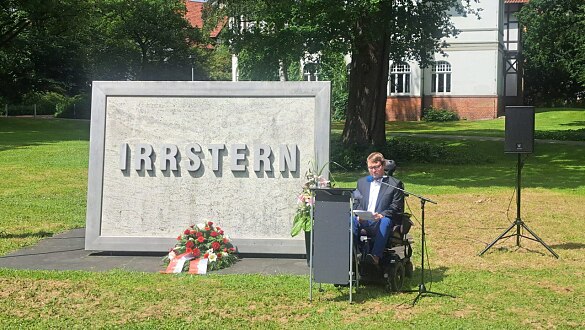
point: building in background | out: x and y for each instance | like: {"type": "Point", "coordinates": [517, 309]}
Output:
{"type": "Point", "coordinates": [480, 74]}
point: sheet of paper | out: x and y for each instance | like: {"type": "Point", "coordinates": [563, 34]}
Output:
{"type": "Point", "coordinates": [364, 215]}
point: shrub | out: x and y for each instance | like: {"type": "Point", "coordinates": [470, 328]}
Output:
{"type": "Point", "coordinates": [565, 135]}
{"type": "Point", "coordinates": [439, 115]}
{"type": "Point", "coordinates": [77, 106]}
{"type": "Point", "coordinates": [402, 150]}
{"type": "Point", "coordinates": [46, 103]}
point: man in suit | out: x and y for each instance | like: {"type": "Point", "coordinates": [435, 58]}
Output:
{"type": "Point", "coordinates": [376, 194]}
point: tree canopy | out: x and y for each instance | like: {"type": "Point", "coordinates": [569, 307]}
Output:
{"type": "Point", "coordinates": [554, 50]}
{"type": "Point", "coordinates": [60, 46]}
{"type": "Point", "coordinates": [372, 31]}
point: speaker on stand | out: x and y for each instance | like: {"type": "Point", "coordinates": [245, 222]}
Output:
{"type": "Point", "coordinates": [519, 140]}
{"type": "Point", "coordinates": [519, 130]}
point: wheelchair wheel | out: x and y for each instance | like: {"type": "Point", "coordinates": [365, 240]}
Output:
{"type": "Point", "coordinates": [394, 275]}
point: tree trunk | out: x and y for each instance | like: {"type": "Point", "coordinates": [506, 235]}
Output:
{"type": "Point", "coordinates": [368, 78]}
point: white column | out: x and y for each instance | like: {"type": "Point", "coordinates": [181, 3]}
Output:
{"type": "Point", "coordinates": [235, 74]}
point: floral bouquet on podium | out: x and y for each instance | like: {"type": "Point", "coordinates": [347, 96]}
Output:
{"type": "Point", "coordinates": [302, 218]}
{"type": "Point", "coordinates": [205, 246]}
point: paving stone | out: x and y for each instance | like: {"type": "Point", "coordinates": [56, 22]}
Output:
{"type": "Point", "coordinates": [66, 251]}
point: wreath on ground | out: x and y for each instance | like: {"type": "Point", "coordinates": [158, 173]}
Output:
{"type": "Point", "coordinates": [203, 241]}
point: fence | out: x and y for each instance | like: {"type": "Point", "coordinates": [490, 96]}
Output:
{"type": "Point", "coordinates": [74, 110]}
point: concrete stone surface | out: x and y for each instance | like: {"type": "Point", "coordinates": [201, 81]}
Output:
{"type": "Point", "coordinates": [66, 252]}
{"type": "Point", "coordinates": [165, 155]}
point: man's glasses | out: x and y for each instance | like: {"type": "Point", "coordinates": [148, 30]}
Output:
{"type": "Point", "coordinates": [375, 167]}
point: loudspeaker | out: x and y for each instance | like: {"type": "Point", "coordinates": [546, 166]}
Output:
{"type": "Point", "coordinates": [519, 130]}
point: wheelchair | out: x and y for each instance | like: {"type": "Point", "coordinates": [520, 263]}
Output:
{"type": "Point", "coordinates": [394, 265]}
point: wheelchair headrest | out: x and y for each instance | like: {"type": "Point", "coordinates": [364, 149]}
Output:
{"type": "Point", "coordinates": [389, 166]}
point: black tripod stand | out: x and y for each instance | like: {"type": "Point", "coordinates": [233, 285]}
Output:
{"type": "Point", "coordinates": [421, 286]}
{"type": "Point", "coordinates": [518, 222]}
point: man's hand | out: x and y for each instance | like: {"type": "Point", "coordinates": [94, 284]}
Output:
{"type": "Point", "coordinates": [377, 216]}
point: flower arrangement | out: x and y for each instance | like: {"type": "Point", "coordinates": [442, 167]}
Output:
{"type": "Point", "coordinates": [207, 241]}
{"type": "Point", "coordinates": [302, 218]}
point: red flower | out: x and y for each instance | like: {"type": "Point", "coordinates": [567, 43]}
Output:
{"type": "Point", "coordinates": [221, 232]}
{"type": "Point", "coordinates": [205, 256]}
{"type": "Point", "coordinates": [215, 246]}
{"type": "Point", "coordinates": [190, 244]}
{"type": "Point", "coordinates": [225, 240]}
{"type": "Point", "coordinates": [214, 234]}
{"type": "Point", "coordinates": [210, 224]}
{"type": "Point", "coordinates": [219, 256]}
{"type": "Point", "coordinates": [232, 249]}
{"type": "Point", "coordinates": [186, 232]}
{"type": "Point", "coordinates": [179, 238]}
{"type": "Point", "coordinates": [192, 232]}
{"type": "Point", "coordinates": [188, 250]}
{"type": "Point", "coordinates": [207, 229]}
{"type": "Point", "coordinates": [196, 252]}
{"type": "Point", "coordinates": [199, 234]}
{"type": "Point", "coordinates": [201, 239]}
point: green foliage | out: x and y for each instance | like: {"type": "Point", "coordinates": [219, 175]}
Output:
{"type": "Point", "coordinates": [142, 40]}
{"type": "Point", "coordinates": [62, 45]}
{"type": "Point", "coordinates": [554, 51]}
{"type": "Point", "coordinates": [439, 115]}
{"type": "Point", "coordinates": [273, 34]}
{"type": "Point", "coordinates": [78, 107]}
{"type": "Point", "coordinates": [405, 150]}
{"type": "Point", "coordinates": [257, 64]}
{"type": "Point", "coordinates": [332, 67]}
{"type": "Point", "coordinates": [218, 63]}
{"type": "Point", "coordinates": [43, 47]}
{"type": "Point", "coordinates": [566, 135]}
{"type": "Point", "coordinates": [301, 222]}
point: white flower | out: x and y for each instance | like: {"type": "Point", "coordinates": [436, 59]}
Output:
{"type": "Point", "coordinates": [210, 251]}
{"type": "Point", "coordinates": [172, 255]}
{"type": "Point", "coordinates": [212, 257]}
{"type": "Point", "coordinates": [201, 226]}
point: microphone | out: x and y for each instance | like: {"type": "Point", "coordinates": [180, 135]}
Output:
{"type": "Point", "coordinates": [370, 178]}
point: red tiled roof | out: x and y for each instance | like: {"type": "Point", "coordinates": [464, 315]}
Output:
{"type": "Point", "coordinates": [195, 16]}
{"type": "Point", "coordinates": [516, 1]}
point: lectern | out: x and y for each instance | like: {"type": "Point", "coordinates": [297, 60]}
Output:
{"type": "Point", "coordinates": [332, 238]}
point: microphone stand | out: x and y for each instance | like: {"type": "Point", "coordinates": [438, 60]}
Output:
{"type": "Point", "coordinates": [421, 286]}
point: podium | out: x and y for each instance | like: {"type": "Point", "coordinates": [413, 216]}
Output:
{"type": "Point", "coordinates": [331, 250]}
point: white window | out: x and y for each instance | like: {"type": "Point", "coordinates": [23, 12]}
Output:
{"type": "Point", "coordinates": [441, 79]}
{"type": "Point", "coordinates": [399, 81]}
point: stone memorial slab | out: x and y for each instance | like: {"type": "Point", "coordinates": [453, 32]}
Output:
{"type": "Point", "coordinates": [165, 155]}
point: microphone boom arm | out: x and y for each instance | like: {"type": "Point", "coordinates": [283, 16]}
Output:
{"type": "Point", "coordinates": [407, 193]}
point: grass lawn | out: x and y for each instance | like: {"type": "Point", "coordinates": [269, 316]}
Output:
{"type": "Point", "coordinates": [546, 120]}
{"type": "Point", "coordinates": [43, 177]}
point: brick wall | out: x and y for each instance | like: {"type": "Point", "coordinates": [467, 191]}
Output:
{"type": "Point", "coordinates": [403, 108]}
{"type": "Point", "coordinates": [468, 107]}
